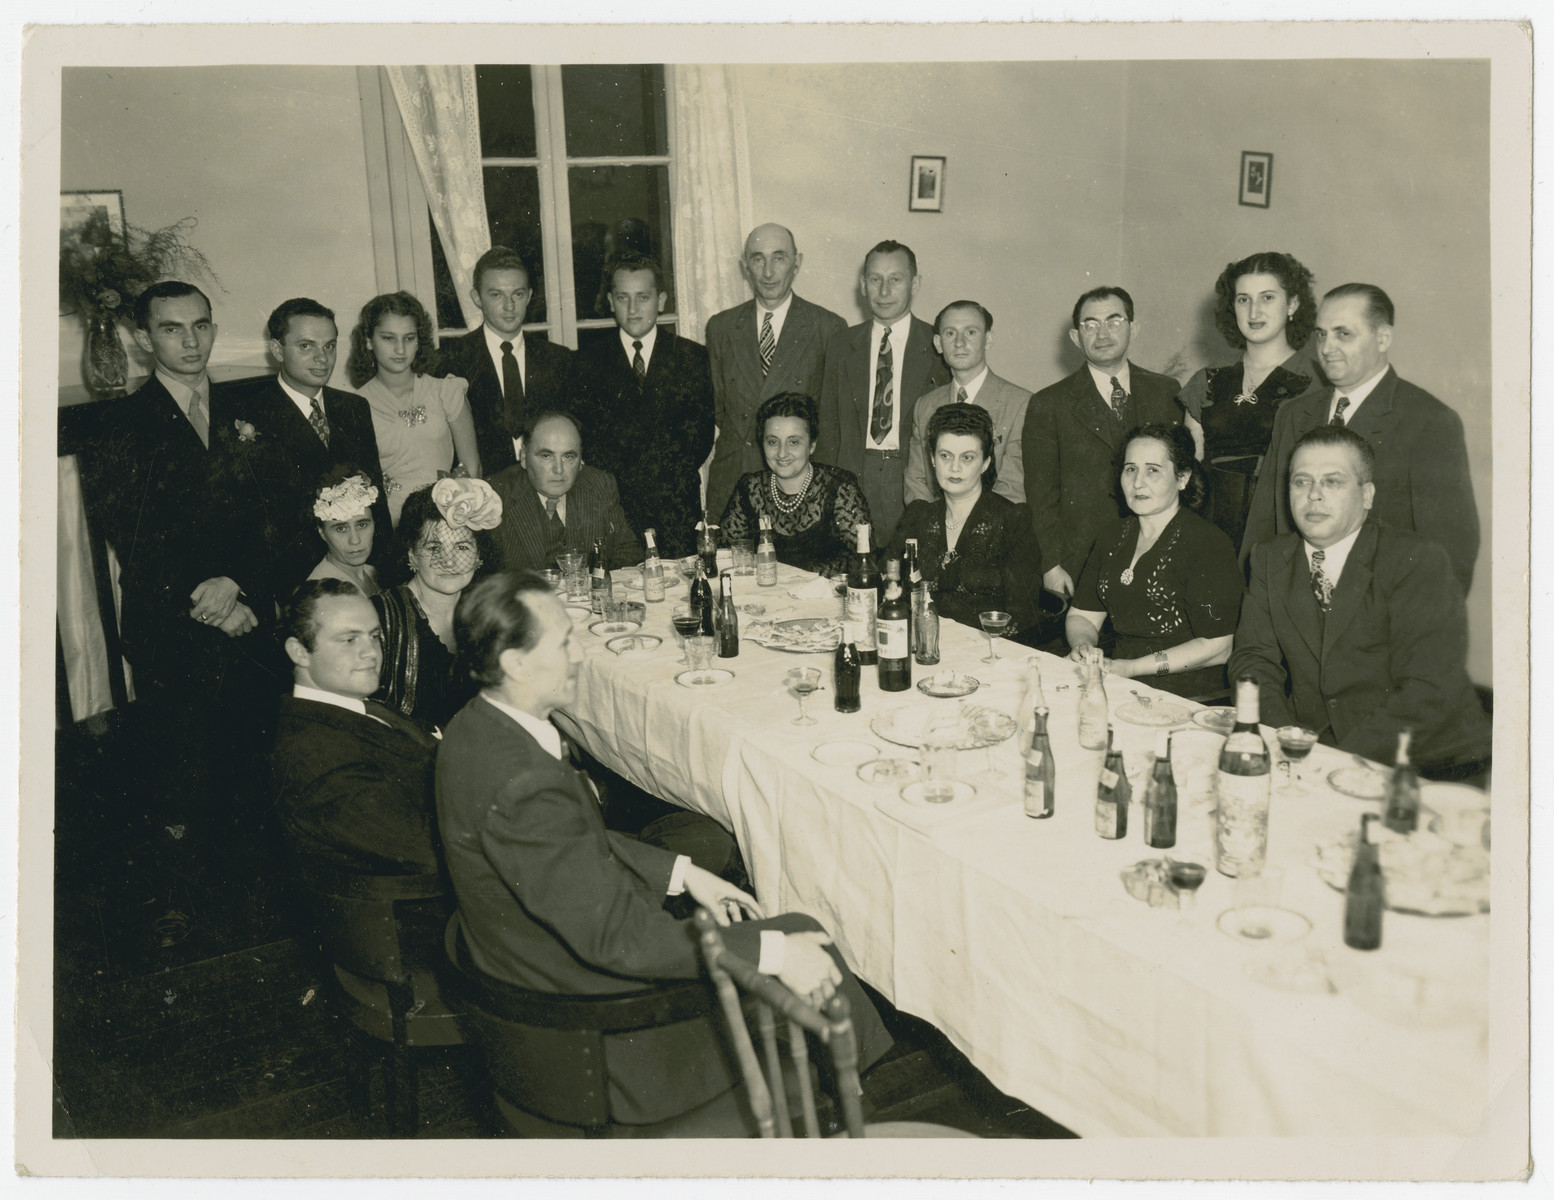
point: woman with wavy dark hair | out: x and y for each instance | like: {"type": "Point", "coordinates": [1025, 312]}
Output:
{"type": "Point", "coordinates": [1167, 578]}
{"type": "Point", "coordinates": [1266, 309]}
{"type": "Point", "coordinates": [419, 420]}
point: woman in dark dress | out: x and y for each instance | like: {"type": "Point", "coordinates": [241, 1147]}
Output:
{"type": "Point", "coordinates": [975, 548]}
{"type": "Point", "coordinates": [1266, 309]}
{"type": "Point", "coordinates": [1167, 578]}
{"type": "Point", "coordinates": [815, 510]}
{"type": "Point", "coordinates": [437, 546]}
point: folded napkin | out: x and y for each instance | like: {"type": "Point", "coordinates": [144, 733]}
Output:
{"type": "Point", "coordinates": [818, 588]}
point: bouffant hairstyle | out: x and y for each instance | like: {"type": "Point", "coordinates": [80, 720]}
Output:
{"type": "Point", "coordinates": [1293, 278]}
{"type": "Point", "coordinates": [1179, 449]}
{"type": "Point", "coordinates": [968, 420]}
{"type": "Point", "coordinates": [788, 404]}
{"type": "Point", "coordinates": [362, 365]}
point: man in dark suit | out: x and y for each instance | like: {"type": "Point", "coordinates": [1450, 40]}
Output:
{"type": "Point", "coordinates": [1422, 480]}
{"type": "Point", "coordinates": [287, 430]}
{"type": "Point", "coordinates": [874, 374]}
{"type": "Point", "coordinates": [1356, 629]}
{"type": "Point", "coordinates": [552, 901]}
{"type": "Point", "coordinates": [511, 374]}
{"type": "Point", "coordinates": [774, 343]}
{"type": "Point", "coordinates": [353, 779]}
{"type": "Point", "coordinates": [552, 501]}
{"type": "Point", "coordinates": [644, 398]}
{"type": "Point", "coordinates": [1074, 428]}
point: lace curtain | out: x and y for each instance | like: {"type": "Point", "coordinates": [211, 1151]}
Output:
{"type": "Point", "coordinates": [442, 120]}
{"type": "Point", "coordinates": [712, 212]}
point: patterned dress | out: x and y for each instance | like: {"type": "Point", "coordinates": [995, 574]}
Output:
{"type": "Point", "coordinates": [819, 533]}
{"type": "Point", "coordinates": [415, 438]}
{"type": "Point", "coordinates": [419, 678]}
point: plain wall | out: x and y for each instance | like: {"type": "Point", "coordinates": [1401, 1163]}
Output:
{"type": "Point", "coordinates": [269, 160]}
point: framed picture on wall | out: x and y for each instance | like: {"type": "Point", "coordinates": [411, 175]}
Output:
{"type": "Point", "coordinates": [925, 191]}
{"type": "Point", "coordinates": [1256, 178]}
{"type": "Point", "coordinates": [77, 208]}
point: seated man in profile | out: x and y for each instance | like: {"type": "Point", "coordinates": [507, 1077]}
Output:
{"type": "Point", "coordinates": [353, 779]}
{"type": "Point", "coordinates": [553, 902]}
{"type": "Point", "coordinates": [552, 501]}
{"type": "Point", "coordinates": [1358, 630]}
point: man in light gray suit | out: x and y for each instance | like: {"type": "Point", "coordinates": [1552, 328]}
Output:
{"type": "Point", "coordinates": [771, 344]}
{"type": "Point", "coordinates": [962, 333]}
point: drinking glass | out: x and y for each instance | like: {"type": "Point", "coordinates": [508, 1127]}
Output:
{"type": "Point", "coordinates": [699, 649]}
{"type": "Point", "coordinates": [979, 725]}
{"type": "Point", "coordinates": [802, 681]}
{"type": "Point", "coordinates": [1295, 743]}
{"type": "Point", "coordinates": [743, 550]}
{"type": "Point", "coordinates": [1187, 873]}
{"type": "Point", "coordinates": [686, 621]}
{"type": "Point", "coordinates": [574, 569]}
{"type": "Point", "coordinates": [993, 624]}
{"type": "Point", "coordinates": [556, 581]}
{"type": "Point", "coordinates": [940, 754]}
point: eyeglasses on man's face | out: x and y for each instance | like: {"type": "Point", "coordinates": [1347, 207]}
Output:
{"type": "Point", "coordinates": [1113, 324]}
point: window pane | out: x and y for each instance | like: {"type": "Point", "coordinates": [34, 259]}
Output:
{"type": "Point", "coordinates": [505, 96]}
{"type": "Point", "coordinates": [449, 314]}
{"type": "Point", "coordinates": [614, 110]}
{"type": "Point", "coordinates": [617, 210]}
{"type": "Point", "coordinates": [513, 210]}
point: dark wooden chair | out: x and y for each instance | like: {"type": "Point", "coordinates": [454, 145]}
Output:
{"type": "Point", "coordinates": [383, 937]}
{"type": "Point", "coordinates": [768, 1084]}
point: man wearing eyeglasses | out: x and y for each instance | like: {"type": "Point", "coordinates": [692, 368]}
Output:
{"type": "Point", "coordinates": [1073, 430]}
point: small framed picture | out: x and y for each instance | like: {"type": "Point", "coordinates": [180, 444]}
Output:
{"type": "Point", "coordinates": [77, 208]}
{"type": "Point", "coordinates": [1256, 178]}
{"type": "Point", "coordinates": [925, 191]}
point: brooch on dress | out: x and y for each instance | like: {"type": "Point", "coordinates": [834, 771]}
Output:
{"type": "Point", "coordinates": [1127, 576]}
{"type": "Point", "coordinates": [1246, 398]}
{"type": "Point", "coordinates": [413, 416]}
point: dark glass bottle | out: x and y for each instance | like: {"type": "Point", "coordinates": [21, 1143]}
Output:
{"type": "Point", "coordinates": [849, 672]}
{"type": "Point", "coordinates": [597, 574]}
{"type": "Point", "coordinates": [1112, 794]}
{"type": "Point", "coordinates": [707, 546]}
{"type": "Point", "coordinates": [1040, 772]}
{"type": "Point", "coordinates": [863, 596]}
{"type": "Point", "coordinates": [1365, 897]}
{"type": "Point", "coordinates": [728, 620]}
{"type": "Point", "coordinates": [1403, 792]}
{"type": "Point", "coordinates": [895, 651]}
{"type": "Point", "coordinates": [911, 573]}
{"type": "Point", "coordinates": [1160, 802]}
{"type": "Point", "coordinates": [701, 600]}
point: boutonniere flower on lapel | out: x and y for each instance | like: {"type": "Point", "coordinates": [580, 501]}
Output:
{"type": "Point", "coordinates": [245, 431]}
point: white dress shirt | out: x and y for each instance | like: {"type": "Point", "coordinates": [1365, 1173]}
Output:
{"type": "Point", "coordinates": [494, 342]}
{"type": "Point", "coordinates": [971, 388]}
{"type": "Point", "coordinates": [897, 334]}
{"type": "Point", "coordinates": [350, 703]}
{"type": "Point", "coordinates": [561, 511]}
{"type": "Point", "coordinates": [304, 403]}
{"type": "Point", "coordinates": [648, 340]}
{"type": "Point", "coordinates": [779, 315]}
{"type": "Point", "coordinates": [183, 394]}
{"type": "Point", "coordinates": [1103, 381]}
{"type": "Point", "coordinates": [1356, 396]}
{"type": "Point", "coordinates": [1334, 557]}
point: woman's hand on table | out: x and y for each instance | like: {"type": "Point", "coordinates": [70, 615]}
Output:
{"type": "Point", "coordinates": [721, 898]}
{"type": "Point", "coordinates": [806, 967]}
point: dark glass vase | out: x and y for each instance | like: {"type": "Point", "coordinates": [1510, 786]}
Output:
{"type": "Point", "coordinates": [107, 364]}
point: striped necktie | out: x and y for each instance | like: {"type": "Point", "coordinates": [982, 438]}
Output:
{"type": "Point", "coordinates": [768, 345]}
{"type": "Point", "coordinates": [960, 394]}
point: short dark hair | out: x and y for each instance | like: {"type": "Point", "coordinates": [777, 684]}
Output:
{"type": "Point", "coordinates": [1293, 278]}
{"type": "Point", "coordinates": [298, 306]}
{"type": "Point", "coordinates": [1342, 435]}
{"type": "Point", "coordinates": [168, 289]}
{"type": "Point", "coordinates": [499, 258]}
{"type": "Point", "coordinates": [1101, 293]}
{"type": "Point", "coordinates": [492, 617]}
{"type": "Point", "coordinates": [968, 420]}
{"type": "Point", "coordinates": [789, 404]}
{"type": "Point", "coordinates": [891, 247]}
{"type": "Point", "coordinates": [987, 317]}
{"type": "Point", "coordinates": [362, 365]}
{"type": "Point", "coordinates": [1177, 440]}
{"type": "Point", "coordinates": [1378, 305]}
{"type": "Point", "coordinates": [634, 262]}
{"type": "Point", "coordinates": [299, 619]}
{"type": "Point", "coordinates": [532, 422]}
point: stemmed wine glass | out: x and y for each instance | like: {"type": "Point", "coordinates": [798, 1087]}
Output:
{"type": "Point", "coordinates": [1187, 876]}
{"type": "Point", "coordinates": [802, 681]}
{"type": "Point", "coordinates": [686, 621]}
{"type": "Point", "coordinates": [1295, 743]}
{"type": "Point", "coordinates": [979, 726]}
{"type": "Point", "coordinates": [993, 624]}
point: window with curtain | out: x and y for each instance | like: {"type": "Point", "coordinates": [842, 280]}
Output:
{"type": "Point", "coordinates": [576, 161]}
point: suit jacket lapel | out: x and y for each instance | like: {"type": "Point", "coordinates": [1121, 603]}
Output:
{"type": "Point", "coordinates": [1353, 585]}
{"type": "Point", "coordinates": [1297, 599]}
{"type": "Point", "coordinates": [1091, 408]}
{"type": "Point", "coordinates": [796, 333]}
{"type": "Point", "coordinates": [1373, 420]}
{"type": "Point", "coordinates": [747, 351]}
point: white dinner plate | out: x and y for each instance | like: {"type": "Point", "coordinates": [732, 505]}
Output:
{"type": "Point", "coordinates": [634, 643]}
{"type": "Point", "coordinates": [1157, 714]}
{"type": "Point", "coordinates": [893, 771]}
{"type": "Point", "coordinates": [611, 628]}
{"type": "Point", "coordinates": [1215, 720]}
{"type": "Point", "coordinates": [961, 791]}
{"type": "Point", "coordinates": [1360, 782]}
{"type": "Point", "coordinates": [1261, 924]}
{"type": "Point", "coordinates": [948, 685]}
{"type": "Point", "coordinates": [711, 677]}
{"type": "Point", "coordinates": [844, 753]}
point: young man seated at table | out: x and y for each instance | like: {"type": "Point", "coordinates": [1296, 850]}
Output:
{"type": "Point", "coordinates": [553, 902]}
{"type": "Point", "coordinates": [1359, 630]}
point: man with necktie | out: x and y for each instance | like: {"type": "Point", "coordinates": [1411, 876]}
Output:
{"type": "Point", "coordinates": [962, 333]}
{"type": "Point", "coordinates": [511, 374]}
{"type": "Point", "coordinates": [644, 396]}
{"type": "Point", "coordinates": [773, 343]}
{"type": "Point", "coordinates": [1357, 629]}
{"type": "Point", "coordinates": [553, 501]}
{"type": "Point", "coordinates": [1422, 478]}
{"type": "Point", "coordinates": [874, 374]}
{"type": "Point", "coordinates": [1074, 428]}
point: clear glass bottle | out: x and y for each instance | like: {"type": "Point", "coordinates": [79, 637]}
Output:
{"type": "Point", "coordinates": [1243, 779]}
{"type": "Point", "coordinates": [652, 570]}
{"type": "Point", "coordinates": [863, 598]}
{"type": "Point", "coordinates": [1403, 791]}
{"type": "Point", "coordinates": [766, 556]}
{"type": "Point", "coordinates": [1040, 771]}
{"type": "Point", "coordinates": [1094, 713]}
{"type": "Point", "coordinates": [925, 625]}
{"type": "Point", "coordinates": [728, 620]}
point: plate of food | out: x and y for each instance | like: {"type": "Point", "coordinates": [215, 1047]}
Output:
{"type": "Point", "coordinates": [634, 643]}
{"type": "Point", "coordinates": [948, 685]}
{"type": "Point", "coordinates": [630, 577]}
{"type": "Point", "coordinates": [1426, 874]}
{"type": "Point", "coordinates": [978, 727]}
{"type": "Point", "coordinates": [1216, 720]}
{"type": "Point", "coordinates": [801, 635]}
{"type": "Point", "coordinates": [1146, 710]}
{"type": "Point", "coordinates": [1362, 783]}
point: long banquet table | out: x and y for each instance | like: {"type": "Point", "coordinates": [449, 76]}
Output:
{"type": "Point", "coordinates": [1017, 938]}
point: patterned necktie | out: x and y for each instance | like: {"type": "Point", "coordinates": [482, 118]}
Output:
{"type": "Point", "coordinates": [1119, 399]}
{"type": "Point", "coordinates": [320, 422]}
{"type": "Point", "coordinates": [960, 395]}
{"type": "Point", "coordinates": [637, 363]}
{"type": "Point", "coordinates": [768, 345]}
{"type": "Point", "coordinates": [199, 417]}
{"type": "Point", "coordinates": [1338, 413]}
{"type": "Point", "coordinates": [884, 376]}
{"type": "Point", "coordinates": [555, 529]}
{"type": "Point", "coordinates": [512, 378]}
{"type": "Point", "coordinates": [1321, 585]}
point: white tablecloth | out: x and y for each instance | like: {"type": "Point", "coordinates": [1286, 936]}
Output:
{"type": "Point", "coordinates": [1016, 936]}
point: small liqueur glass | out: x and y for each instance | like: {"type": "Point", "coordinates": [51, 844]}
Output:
{"type": "Point", "coordinates": [1186, 874]}
{"type": "Point", "coordinates": [803, 682]}
{"type": "Point", "coordinates": [1295, 743]}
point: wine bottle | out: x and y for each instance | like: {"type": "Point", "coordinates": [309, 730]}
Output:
{"type": "Point", "coordinates": [1040, 772]}
{"type": "Point", "coordinates": [895, 655]}
{"type": "Point", "coordinates": [862, 603]}
{"type": "Point", "coordinates": [849, 673]}
{"type": "Point", "coordinates": [1241, 823]}
{"type": "Point", "coordinates": [596, 577]}
{"type": "Point", "coordinates": [652, 569]}
{"type": "Point", "coordinates": [766, 556]}
{"type": "Point", "coordinates": [707, 546]}
{"type": "Point", "coordinates": [925, 625]}
{"type": "Point", "coordinates": [728, 620]}
{"type": "Point", "coordinates": [701, 599]}
{"type": "Point", "coordinates": [1112, 793]}
{"type": "Point", "coordinates": [1365, 896]}
{"type": "Point", "coordinates": [910, 574]}
{"type": "Point", "coordinates": [1094, 713]}
{"type": "Point", "coordinates": [1403, 792]}
{"type": "Point", "coordinates": [1160, 801]}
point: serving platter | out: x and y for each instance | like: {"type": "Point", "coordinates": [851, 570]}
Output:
{"type": "Point", "coordinates": [978, 727]}
{"type": "Point", "coordinates": [801, 635]}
